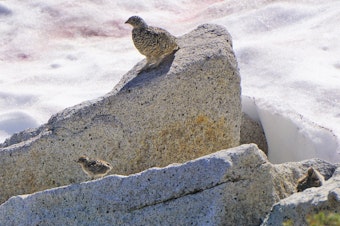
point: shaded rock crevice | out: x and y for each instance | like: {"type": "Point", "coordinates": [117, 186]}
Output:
{"type": "Point", "coordinates": [252, 132]}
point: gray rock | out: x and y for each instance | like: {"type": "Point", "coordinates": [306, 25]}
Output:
{"type": "Point", "coordinates": [212, 190]}
{"type": "Point", "coordinates": [311, 201]}
{"type": "Point", "coordinates": [187, 107]}
{"type": "Point", "coordinates": [230, 187]}
{"type": "Point", "coordinates": [252, 132]}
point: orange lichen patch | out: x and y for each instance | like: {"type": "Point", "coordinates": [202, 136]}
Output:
{"type": "Point", "coordinates": [185, 140]}
{"type": "Point", "coordinates": [201, 119]}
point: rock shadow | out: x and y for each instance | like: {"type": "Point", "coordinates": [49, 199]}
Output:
{"type": "Point", "coordinates": [144, 76]}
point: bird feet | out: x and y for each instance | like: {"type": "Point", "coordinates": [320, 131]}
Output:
{"type": "Point", "coordinates": [151, 65]}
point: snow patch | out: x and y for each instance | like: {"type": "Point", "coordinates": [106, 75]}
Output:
{"type": "Point", "coordinates": [13, 122]}
{"type": "Point", "coordinates": [290, 136]}
{"type": "Point", "coordinates": [4, 11]}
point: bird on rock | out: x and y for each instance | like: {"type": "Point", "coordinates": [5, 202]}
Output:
{"type": "Point", "coordinates": [312, 178]}
{"type": "Point", "coordinates": [153, 42]}
{"type": "Point", "coordinates": [94, 168]}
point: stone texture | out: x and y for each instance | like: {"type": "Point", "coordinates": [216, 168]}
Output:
{"type": "Point", "coordinates": [230, 187]}
{"type": "Point", "coordinates": [187, 107]}
{"type": "Point", "coordinates": [252, 132]}
{"type": "Point", "coordinates": [311, 201]}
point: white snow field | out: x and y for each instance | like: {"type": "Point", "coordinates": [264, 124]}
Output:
{"type": "Point", "coordinates": [55, 54]}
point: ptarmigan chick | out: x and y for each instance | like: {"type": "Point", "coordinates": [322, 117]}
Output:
{"type": "Point", "coordinates": [94, 168]}
{"type": "Point", "coordinates": [153, 42]}
{"type": "Point", "coordinates": [312, 179]}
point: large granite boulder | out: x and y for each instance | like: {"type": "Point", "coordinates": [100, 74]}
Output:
{"type": "Point", "coordinates": [230, 187]}
{"type": "Point", "coordinates": [187, 107]}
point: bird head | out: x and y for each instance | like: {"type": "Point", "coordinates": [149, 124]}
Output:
{"type": "Point", "coordinates": [82, 159]}
{"type": "Point", "coordinates": [136, 22]}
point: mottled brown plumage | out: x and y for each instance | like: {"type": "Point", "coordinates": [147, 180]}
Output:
{"type": "Point", "coordinates": [153, 42]}
{"type": "Point", "coordinates": [94, 168]}
{"type": "Point", "coordinates": [312, 179]}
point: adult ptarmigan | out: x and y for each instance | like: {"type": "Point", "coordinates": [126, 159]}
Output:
{"type": "Point", "coordinates": [153, 42]}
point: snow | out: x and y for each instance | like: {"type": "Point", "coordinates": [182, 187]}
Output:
{"type": "Point", "coordinates": [291, 136]}
{"type": "Point", "coordinates": [54, 55]}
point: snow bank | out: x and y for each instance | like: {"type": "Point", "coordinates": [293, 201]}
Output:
{"type": "Point", "coordinates": [290, 136]}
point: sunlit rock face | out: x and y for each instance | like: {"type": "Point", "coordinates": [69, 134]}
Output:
{"type": "Point", "coordinates": [187, 107]}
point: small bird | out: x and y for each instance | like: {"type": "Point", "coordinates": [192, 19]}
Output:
{"type": "Point", "coordinates": [312, 179]}
{"type": "Point", "coordinates": [94, 168]}
{"type": "Point", "coordinates": [153, 42]}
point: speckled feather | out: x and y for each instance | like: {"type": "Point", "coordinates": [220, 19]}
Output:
{"type": "Point", "coordinates": [153, 42]}
{"type": "Point", "coordinates": [94, 168]}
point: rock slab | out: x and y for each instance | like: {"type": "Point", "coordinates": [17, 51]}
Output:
{"type": "Point", "coordinates": [230, 187]}
{"type": "Point", "coordinates": [187, 107]}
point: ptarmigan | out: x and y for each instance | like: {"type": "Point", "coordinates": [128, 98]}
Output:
{"type": "Point", "coordinates": [94, 168]}
{"type": "Point", "coordinates": [153, 42]}
{"type": "Point", "coordinates": [312, 179]}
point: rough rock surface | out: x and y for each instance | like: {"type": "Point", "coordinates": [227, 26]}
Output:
{"type": "Point", "coordinates": [187, 107]}
{"type": "Point", "coordinates": [311, 201]}
{"type": "Point", "coordinates": [252, 132]}
{"type": "Point", "coordinates": [230, 187]}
